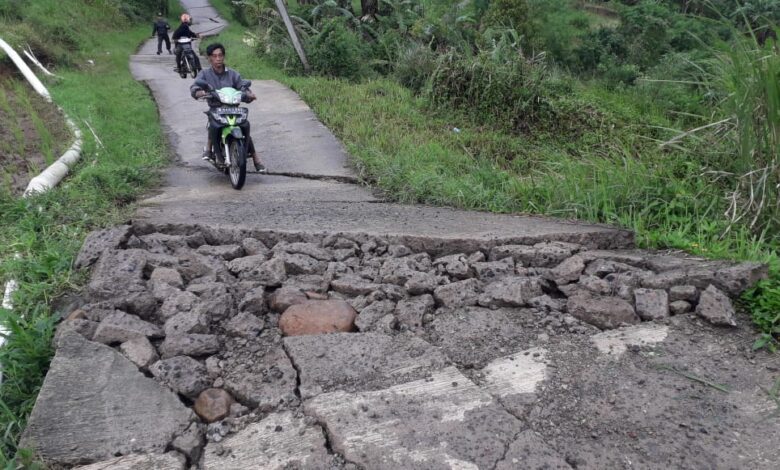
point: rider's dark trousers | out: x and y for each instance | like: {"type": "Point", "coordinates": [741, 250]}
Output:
{"type": "Point", "coordinates": [216, 138]}
{"type": "Point", "coordinates": [160, 39]}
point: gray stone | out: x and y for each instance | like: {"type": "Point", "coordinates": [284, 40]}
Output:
{"type": "Point", "coordinates": [309, 249]}
{"type": "Point", "coordinates": [166, 461]}
{"type": "Point", "coordinates": [117, 273]}
{"type": "Point", "coordinates": [119, 327]}
{"type": "Point", "coordinates": [700, 277]}
{"type": "Point", "coordinates": [444, 421]}
{"type": "Point", "coordinates": [189, 345]}
{"type": "Point", "coordinates": [140, 352]}
{"type": "Point", "coordinates": [82, 326]}
{"type": "Point", "coordinates": [285, 297]}
{"type": "Point", "coordinates": [595, 285]}
{"type": "Point", "coordinates": [187, 322]}
{"type": "Point", "coordinates": [679, 307]}
{"type": "Point", "coordinates": [208, 289]}
{"type": "Point", "coordinates": [254, 302]}
{"type": "Point", "coordinates": [687, 293]}
{"type": "Point", "coordinates": [456, 265]}
{"type": "Point", "coordinates": [346, 253]}
{"type": "Point", "coordinates": [371, 314]}
{"type": "Point", "coordinates": [253, 247]}
{"type": "Point", "coordinates": [278, 441]}
{"type": "Point", "coordinates": [265, 385]}
{"type": "Point", "coordinates": [530, 451]}
{"type": "Point", "coordinates": [629, 257]}
{"type": "Point", "coordinates": [715, 307]}
{"type": "Point", "coordinates": [736, 279]}
{"type": "Point", "coordinates": [541, 255]}
{"type": "Point", "coordinates": [603, 267]}
{"type": "Point", "coordinates": [164, 243]}
{"type": "Point", "coordinates": [177, 303]}
{"type": "Point", "coordinates": [225, 252]}
{"type": "Point", "coordinates": [193, 266]}
{"type": "Point", "coordinates": [510, 251]}
{"type": "Point", "coordinates": [493, 270]}
{"type": "Point", "coordinates": [388, 324]}
{"type": "Point", "coordinates": [297, 263]}
{"type": "Point", "coordinates": [568, 271]}
{"type": "Point", "coordinates": [168, 276]}
{"type": "Point", "coordinates": [548, 304]}
{"type": "Point", "coordinates": [470, 336]}
{"type": "Point", "coordinates": [353, 286]}
{"type": "Point", "coordinates": [398, 251]}
{"type": "Point", "coordinates": [602, 312]}
{"type": "Point", "coordinates": [410, 312]}
{"type": "Point", "coordinates": [510, 292]}
{"type": "Point", "coordinates": [651, 304]}
{"type": "Point", "coordinates": [66, 429]}
{"type": "Point", "coordinates": [96, 242]}
{"type": "Point", "coordinates": [422, 283]}
{"type": "Point", "coordinates": [476, 257]}
{"type": "Point", "coordinates": [190, 442]}
{"type": "Point", "coordinates": [359, 361]}
{"type": "Point", "coordinates": [309, 283]}
{"type": "Point", "coordinates": [458, 294]}
{"type": "Point", "coordinates": [399, 270]}
{"type": "Point", "coordinates": [182, 374]}
{"type": "Point", "coordinates": [254, 268]}
{"type": "Point", "coordinates": [245, 325]}
{"type": "Point", "coordinates": [216, 308]}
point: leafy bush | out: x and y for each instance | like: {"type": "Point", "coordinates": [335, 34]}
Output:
{"type": "Point", "coordinates": [615, 74]}
{"type": "Point", "coordinates": [519, 94]}
{"type": "Point", "coordinates": [337, 51]}
{"type": "Point", "coordinates": [415, 65]}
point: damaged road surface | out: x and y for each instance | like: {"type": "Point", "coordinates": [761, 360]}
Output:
{"type": "Point", "coordinates": [305, 323]}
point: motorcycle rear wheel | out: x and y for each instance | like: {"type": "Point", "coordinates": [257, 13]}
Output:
{"type": "Point", "coordinates": [237, 169]}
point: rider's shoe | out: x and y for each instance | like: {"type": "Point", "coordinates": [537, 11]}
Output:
{"type": "Point", "coordinates": [207, 155]}
{"type": "Point", "coordinates": [158, 52]}
{"type": "Point", "coordinates": [259, 167]}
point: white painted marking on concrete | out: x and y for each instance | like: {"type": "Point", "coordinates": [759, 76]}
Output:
{"type": "Point", "coordinates": [517, 373]}
{"type": "Point", "coordinates": [615, 342]}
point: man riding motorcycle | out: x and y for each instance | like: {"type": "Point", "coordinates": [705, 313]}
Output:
{"type": "Point", "coordinates": [214, 78]}
{"type": "Point", "coordinates": [183, 31]}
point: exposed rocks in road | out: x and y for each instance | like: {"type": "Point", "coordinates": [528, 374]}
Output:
{"type": "Point", "coordinates": [354, 335]}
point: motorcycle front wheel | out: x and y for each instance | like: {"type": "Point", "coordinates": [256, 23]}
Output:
{"type": "Point", "coordinates": [237, 169]}
{"type": "Point", "coordinates": [193, 67]}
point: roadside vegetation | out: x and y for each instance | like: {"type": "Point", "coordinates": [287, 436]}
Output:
{"type": "Point", "coordinates": [663, 117]}
{"type": "Point", "coordinates": [90, 55]}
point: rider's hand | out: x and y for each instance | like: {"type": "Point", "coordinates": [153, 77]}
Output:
{"type": "Point", "coordinates": [250, 96]}
{"type": "Point", "coordinates": [200, 94]}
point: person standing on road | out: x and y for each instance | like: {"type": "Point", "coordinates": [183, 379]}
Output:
{"type": "Point", "coordinates": [160, 29]}
{"type": "Point", "coordinates": [214, 78]}
{"type": "Point", "coordinates": [183, 31]}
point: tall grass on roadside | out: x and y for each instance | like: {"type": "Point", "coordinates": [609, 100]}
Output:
{"type": "Point", "coordinates": [747, 76]}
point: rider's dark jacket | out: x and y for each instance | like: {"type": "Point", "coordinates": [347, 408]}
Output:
{"type": "Point", "coordinates": [183, 31]}
{"type": "Point", "coordinates": [160, 27]}
{"type": "Point", "coordinates": [209, 80]}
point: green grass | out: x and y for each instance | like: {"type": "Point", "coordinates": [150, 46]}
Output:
{"type": "Point", "coordinates": [47, 230]}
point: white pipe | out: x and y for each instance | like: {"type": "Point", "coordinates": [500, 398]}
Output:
{"type": "Point", "coordinates": [28, 74]}
{"type": "Point", "coordinates": [31, 57]}
{"type": "Point", "coordinates": [50, 176]}
{"type": "Point", "coordinates": [57, 170]}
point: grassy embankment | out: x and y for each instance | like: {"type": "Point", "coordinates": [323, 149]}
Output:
{"type": "Point", "coordinates": [607, 167]}
{"type": "Point", "coordinates": [47, 230]}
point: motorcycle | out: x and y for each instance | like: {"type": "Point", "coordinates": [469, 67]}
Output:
{"type": "Point", "coordinates": [230, 153]}
{"type": "Point", "coordinates": [189, 61]}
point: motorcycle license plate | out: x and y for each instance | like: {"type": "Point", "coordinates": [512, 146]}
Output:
{"type": "Point", "coordinates": [230, 111]}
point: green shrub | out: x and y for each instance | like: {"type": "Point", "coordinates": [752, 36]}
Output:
{"type": "Point", "coordinates": [514, 14]}
{"type": "Point", "coordinates": [615, 74]}
{"type": "Point", "coordinates": [337, 51]}
{"type": "Point", "coordinates": [415, 65]}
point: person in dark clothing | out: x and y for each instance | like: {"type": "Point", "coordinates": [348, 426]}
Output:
{"type": "Point", "coordinates": [160, 29]}
{"type": "Point", "coordinates": [214, 78]}
{"type": "Point", "coordinates": [183, 31]}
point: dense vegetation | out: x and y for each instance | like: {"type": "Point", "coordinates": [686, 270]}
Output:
{"type": "Point", "coordinates": [90, 56]}
{"type": "Point", "coordinates": [662, 116]}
